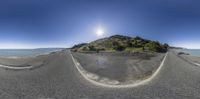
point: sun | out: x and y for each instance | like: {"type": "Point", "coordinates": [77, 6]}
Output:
{"type": "Point", "coordinates": [100, 32]}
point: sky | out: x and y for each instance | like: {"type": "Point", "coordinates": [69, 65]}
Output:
{"type": "Point", "coordinates": [63, 23]}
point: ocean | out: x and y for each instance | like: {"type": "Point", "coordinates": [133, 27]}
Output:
{"type": "Point", "coordinates": [193, 52]}
{"type": "Point", "coordinates": [27, 52]}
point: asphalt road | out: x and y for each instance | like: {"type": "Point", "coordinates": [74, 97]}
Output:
{"type": "Point", "coordinates": [59, 79]}
{"type": "Point", "coordinates": [120, 68]}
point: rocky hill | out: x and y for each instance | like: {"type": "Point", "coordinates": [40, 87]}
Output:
{"type": "Point", "coordinates": [121, 43]}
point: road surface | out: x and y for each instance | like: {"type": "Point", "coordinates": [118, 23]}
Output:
{"type": "Point", "coordinates": [60, 79]}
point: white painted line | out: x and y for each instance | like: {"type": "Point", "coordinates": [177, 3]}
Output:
{"type": "Point", "coordinates": [142, 82]}
{"type": "Point", "coordinates": [197, 64]}
{"type": "Point", "coordinates": [15, 68]}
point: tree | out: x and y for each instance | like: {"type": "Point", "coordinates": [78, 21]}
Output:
{"type": "Point", "coordinates": [156, 47]}
{"type": "Point", "coordinates": [85, 48]}
{"type": "Point", "coordinates": [119, 48]}
{"type": "Point", "coordinates": [91, 48]}
{"type": "Point", "coordinates": [115, 43]}
{"type": "Point", "coordinates": [129, 43]}
{"type": "Point", "coordinates": [166, 45]}
{"type": "Point", "coordinates": [152, 46]}
{"type": "Point", "coordinates": [138, 38]}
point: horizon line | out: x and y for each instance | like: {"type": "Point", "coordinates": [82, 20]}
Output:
{"type": "Point", "coordinates": [35, 48]}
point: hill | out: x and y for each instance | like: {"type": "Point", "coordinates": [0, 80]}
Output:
{"type": "Point", "coordinates": [121, 43]}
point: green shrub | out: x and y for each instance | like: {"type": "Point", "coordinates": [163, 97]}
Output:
{"type": "Point", "coordinates": [91, 48]}
{"type": "Point", "coordinates": [85, 48]}
{"type": "Point", "coordinates": [119, 48]}
{"type": "Point", "coordinates": [121, 43]}
{"type": "Point", "coordinates": [155, 46]}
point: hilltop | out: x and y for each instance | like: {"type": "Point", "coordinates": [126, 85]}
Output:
{"type": "Point", "coordinates": [121, 43]}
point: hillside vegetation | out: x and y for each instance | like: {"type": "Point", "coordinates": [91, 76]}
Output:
{"type": "Point", "coordinates": [121, 43]}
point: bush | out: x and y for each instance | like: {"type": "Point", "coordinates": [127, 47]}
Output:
{"type": "Point", "coordinates": [91, 48]}
{"type": "Point", "coordinates": [156, 47]}
{"type": "Point", "coordinates": [85, 49]}
{"type": "Point", "coordinates": [129, 43]}
{"type": "Point", "coordinates": [120, 43]}
{"type": "Point", "coordinates": [119, 48]}
{"type": "Point", "coordinates": [166, 46]}
{"type": "Point", "coordinates": [79, 45]}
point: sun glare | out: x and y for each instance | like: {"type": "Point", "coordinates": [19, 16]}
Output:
{"type": "Point", "coordinates": [100, 32]}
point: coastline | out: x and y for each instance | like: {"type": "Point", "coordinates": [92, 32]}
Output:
{"type": "Point", "coordinates": [26, 62]}
{"type": "Point", "coordinates": [24, 53]}
{"type": "Point", "coordinates": [192, 59]}
{"type": "Point", "coordinates": [190, 55]}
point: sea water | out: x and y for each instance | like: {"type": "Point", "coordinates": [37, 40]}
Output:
{"type": "Point", "coordinates": [193, 52]}
{"type": "Point", "coordinates": [26, 52]}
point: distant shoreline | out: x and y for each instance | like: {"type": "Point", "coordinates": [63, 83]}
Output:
{"type": "Point", "coordinates": [191, 52]}
{"type": "Point", "coordinates": [15, 53]}
{"type": "Point", "coordinates": [191, 58]}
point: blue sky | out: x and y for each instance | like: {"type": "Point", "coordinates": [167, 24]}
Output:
{"type": "Point", "coordinates": [63, 23]}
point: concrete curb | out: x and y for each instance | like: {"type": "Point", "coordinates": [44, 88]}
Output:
{"type": "Point", "coordinates": [196, 64]}
{"type": "Point", "coordinates": [142, 82]}
{"type": "Point", "coordinates": [15, 68]}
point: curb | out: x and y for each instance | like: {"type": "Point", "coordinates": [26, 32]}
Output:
{"type": "Point", "coordinates": [15, 68]}
{"type": "Point", "coordinates": [142, 82]}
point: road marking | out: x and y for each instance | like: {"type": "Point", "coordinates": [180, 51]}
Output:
{"type": "Point", "coordinates": [15, 68]}
{"type": "Point", "coordinates": [142, 82]}
{"type": "Point", "coordinates": [196, 64]}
